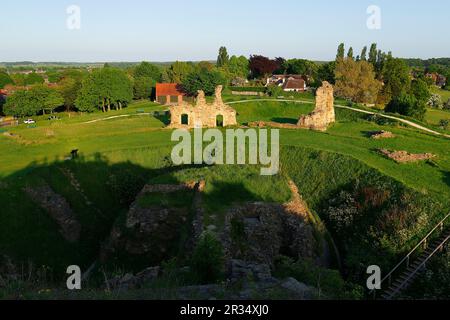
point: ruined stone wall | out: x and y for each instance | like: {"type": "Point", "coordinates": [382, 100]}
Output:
{"type": "Point", "coordinates": [323, 115]}
{"type": "Point", "coordinates": [203, 114]}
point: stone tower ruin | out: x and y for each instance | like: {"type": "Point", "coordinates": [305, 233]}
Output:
{"type": "Point", "coordinates": [323, 115]}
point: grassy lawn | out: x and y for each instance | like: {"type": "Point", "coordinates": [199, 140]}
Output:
{"type": "Point", "coordinates": [445, 94]}
{"type": "Point", "coordinates": [139, 147]}
{"type": "Point", "coordinates": [433, 116]}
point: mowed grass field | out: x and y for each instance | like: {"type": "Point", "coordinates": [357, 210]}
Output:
{"type": "Point", "coordinates": [129, 138]}
{"type": "Point", "coordinates": [136, 144]}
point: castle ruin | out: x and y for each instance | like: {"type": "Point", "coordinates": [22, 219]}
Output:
{"type": "Point", "coordinates": [203, 115]}
{"type": "Point", "coordinates": [323, 115]}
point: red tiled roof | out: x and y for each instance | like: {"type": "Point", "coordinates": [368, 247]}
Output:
{"type": "Point", "coordinates": [295, 84]}
{"type": "Point", "coordinates": [169, 89]}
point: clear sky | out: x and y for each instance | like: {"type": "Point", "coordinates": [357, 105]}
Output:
{"type": "Point", "coordinates": [155, 30]}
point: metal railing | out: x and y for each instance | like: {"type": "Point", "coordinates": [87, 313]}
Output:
{"type": "Point", "coordinates": [407, 258]}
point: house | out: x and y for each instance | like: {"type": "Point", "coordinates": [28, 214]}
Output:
{"type": "Point", "coordinates": [289, 82]}
{"type": "Point", "coordinates": [169, 93]}
{"type": "Point", "coordinates": [437, 79]}
{"type": "Point", "coordinates": [294, 85]}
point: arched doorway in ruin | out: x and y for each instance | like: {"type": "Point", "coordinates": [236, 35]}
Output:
{"type": "Point", "coordinates": [185, 119]}
{"type": "Point", "coordinates": [219, 121]}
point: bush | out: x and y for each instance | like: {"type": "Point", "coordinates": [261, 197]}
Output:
{"type": "Point", "coordinates": [329, 282]}
{"type": "Point", "coordinates": [203, 80]}
{"type": "Point", "coordinates": [435, 102]}
{"type": "Point", "coordinates": [274, 91]}
{"type": "Point", "coordinates": [444, 123]}
{"type": "Point", "coordinates": [407, 105]}
{"type": "Point", "coordinates": [207, 260]}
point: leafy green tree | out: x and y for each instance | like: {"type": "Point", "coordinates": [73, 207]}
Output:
{"type": "Point", "coordinates": [5, 79]}
{"type": "Point", "coordinates": [105, 88]}
{"type": "Point", "coordinates": [69, 89]}
{"type": "Point", "coordinates": [396, 77]}
{"type": "Point", "coordinates": [207, 260]}
{"type": "Point", "coordinates": [274, 91]}
{"type": "Point", "coordinates": [340, 52]}
{"type": "Point", "coordinates": [178, 72]}
{"type": "Point", "coordinates": [302, 67]}
{"type": "Point", "coordinates": [223, 58]}
{"type": "Point", "coordinates": [326, 71]}
{"type": "Point", "coordinates": [34, 78]}
{"type": "Point", "coordinates": [30, 102]}
{"type": "Point", "coordinates": [364, 54]}
{"type": "Point", "coordinates": [350, 53]}
{"type": "Point", "coordinates": [420, 90]}
{"type": "Point", "coordinates": [148, 70]}
{"type": "Point", "coordinates": [373, 54]}
{"type": "Point", "coordinates": [205, 65]}
{"type": "Point", "coordinates": [356, 81]}
{"type": "Point", "coordinates": [203, 80]}
{"type": "Point", "coordinates": [45, 98]}
{"type": "Point", "coordinates": [143, 87]}
{"type": "Point", "coordinates": [53, 76]}
{"type": "Point", "coordinates": [239, 67]}
{"type": "Point", "coordinates": [407, 104]}
{"type": "Point", "coordinates": [19, 104]}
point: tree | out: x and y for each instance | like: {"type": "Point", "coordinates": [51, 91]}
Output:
{"type": "Point", "coordinates": [105, 88]}
{"type": "Point", "coordinates": [5, 79]}
{"type": "Point", "coordinates": [274, 91]}
{"type": "Point", "coordinates": [340, 52]}
{"type": "Point", "coordinates": [238, 67]}
{"type": "Point", "coordinates": [69, 89]}
{"type": "Point", "coordinates": [223, 58]}
{"type": "Point", "coordinates": [205, 65]}
{"type": "Point", "coordinates": [373, 54]}
{"type": "Point", "coordinates": [326, 72]}
{"type": "Point", "coordinates": [30, 102]}
{"type": "Point", "coordinates": [178, 71]}
{"type": "Point", "coordinates": [350, 53]}
{"type": "Point", "coordinates": [143, 87]}
{"type": "Point", "coordinates": [364, 54]}
{"type": "Point", "coordinates": [407, 104]}
{"type": "Point", "coordinates": [261, 66]}
{"type": "Point", "coordinates": [356, 81]}
{"type": "Point", "coordinates": [420, 90]}
{"type": "Point", "coordinates": [203, 80]}
{"type": "Point", "coordinates": [53, 76]}
{"type": "Point", "coordinates": [396, 77]}
{"type": "Point", "coordinates": [34, 78]}
{"type": "Point", "coordinates": [45, 98]}
{"type": "Point", "coordinates": [302, 67]}
{"type": "Point", "coordinates": [19, 104]}
{"type": "Point", "coordinates": [148, 70]}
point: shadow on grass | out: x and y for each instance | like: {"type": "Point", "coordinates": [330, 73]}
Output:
{"type": "Point", "coordinates": [285, 120]}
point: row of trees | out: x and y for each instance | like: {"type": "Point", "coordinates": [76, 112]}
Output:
{"type": "Point", "coordinates": [379, 78]}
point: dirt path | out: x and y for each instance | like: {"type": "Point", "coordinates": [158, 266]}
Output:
{"type": "Point", "coordinates": [116, 117]}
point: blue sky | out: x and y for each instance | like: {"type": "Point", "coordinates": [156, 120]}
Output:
{"type": "Point", "coordinates": [135, 30]}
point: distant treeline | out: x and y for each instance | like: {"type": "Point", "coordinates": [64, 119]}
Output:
{"type": "Point", "coordinates": [420, 63]}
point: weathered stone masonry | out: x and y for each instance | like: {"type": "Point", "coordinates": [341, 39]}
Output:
{"type": "Point", "coordinates": [323, 115]}
{"type": "Point", "coordinates": [203, 115]}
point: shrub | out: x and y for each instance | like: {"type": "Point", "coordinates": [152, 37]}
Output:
{"type": "Point", "coordinates": [435, 102]}
{"type": "Point", "coordinates": [329, 282]}
{"type": "Point", "coordinates": [274, 91]}
{"type": "Point", "coordinates": [444, 123]}
{"type": "Point", "coordinates": [207, 260]}
{"type": "Point", "coordinates": [407, 105]}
